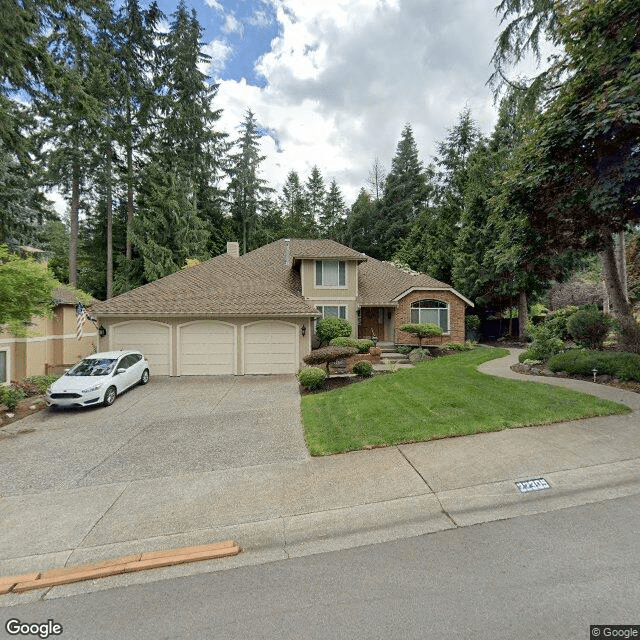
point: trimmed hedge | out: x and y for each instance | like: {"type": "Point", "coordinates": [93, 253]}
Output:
{"type": "Point", "coordinates": [625, 366]}
{"type": "Point", "coordinates": [312, 378]}
{"type": "Point", "coordinates": [11, 396]}
{"type": "Point", "coordinates": [364, 369]}
{"type": "Point", "coordinates": [362, 346]}
{"type": "Point", "coordinates": [326, 355]}
{"type": "Point", "coordinates": [589, 327]}
{"type": "Point", "coordinates": [330, 328]}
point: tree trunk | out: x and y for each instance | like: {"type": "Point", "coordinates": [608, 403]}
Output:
{"type": "Point", "coordinates": [621, 262]}
{"type": "Point", "coordinates": [629, 329]}
{"type": "Point", "coordinates": [522, 316]}
{"type": "Point", "coordinates": [73, 237]}
{"type": "Point", "coordinates": [510, 317]}
{"type": "Point", "coordinates": [109, 225]}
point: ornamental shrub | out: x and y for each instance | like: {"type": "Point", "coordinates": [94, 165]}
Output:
{"type": "Point", "coordinates": [364, 369]}
{"type": "Point", "coordinates": [42, 383]}
{"type": "Point", "coordinates": [404, 349]}
{"type": "Point", "coordinates": [545, 344]}
{"type": "Point", "coordinates": [418, 355]}
{"type": "Point", "coordinates": [362, 346]}
{"type": "Point", "coordinates": [589, 327]}
{"type": "Point", "coordinates": [556, 321]}
{"type": "Point", "coordinates": [326, 355]}
{"type": "Point", "coordinates": [312, 377]}
{"type": "Point", "coordinates": [422, 330]}
{"type": "Point", "coordinates": [625, 366]}
{"type": "Point", "coordinates": [329, 328]}
{"type": "Point", "coordinates": [459, 346]}
{"type": "Point", "coordinates": [472, 322]}
{"type": "Point", "coordinates": [11, 396]}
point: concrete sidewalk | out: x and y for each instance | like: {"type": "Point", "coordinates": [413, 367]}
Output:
{"type": "Point", "coordinates": [301, 507]}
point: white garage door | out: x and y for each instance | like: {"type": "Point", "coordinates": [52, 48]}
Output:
{"type": "Point", "coordinates": [206, 348]}
{"type": "Point", "coordinates": [270, 347]}
{"type": "Point", "coordinates": [151, 338]}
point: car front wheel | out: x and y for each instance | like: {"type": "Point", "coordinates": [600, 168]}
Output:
{"type": "Point", "coordinates": [145, 377]}
{"type": "Point", "coordinates": [110, 396]}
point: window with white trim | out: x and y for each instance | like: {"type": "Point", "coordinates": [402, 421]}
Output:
{"type": "Point", "coordinates": [432, 311]}
{"type": "Point", "coordinates": [331, 273]}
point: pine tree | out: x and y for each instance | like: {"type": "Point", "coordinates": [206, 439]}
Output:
{"type": "Point", "coordinates": [333, 213]}
{"type": "Point", "coordinates": [360, 225]}
{"type": "Point", "coordinates": [315, 195]}
{"type": "Point", "coordinates": [247, 191]}
{"type": "Point", "coordinates": [298, 221]}
{"type": "Point", "coordinates": [405, 193]}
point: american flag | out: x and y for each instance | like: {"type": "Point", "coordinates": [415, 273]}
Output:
{"type": "Point", "coordinates": [81, 316]}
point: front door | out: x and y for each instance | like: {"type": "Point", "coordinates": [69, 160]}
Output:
{"type": "Point", "coordinates": [371, 322]}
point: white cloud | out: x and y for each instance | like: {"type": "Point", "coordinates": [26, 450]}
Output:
{"type": "Point", "coordinates": [214, 4]}
{"type": "Point", "coordinates": [344, 76]}
{"type": "Point", "coordinates": [232, 25]}
{"type": "Point", "coordinates": [220, 52]}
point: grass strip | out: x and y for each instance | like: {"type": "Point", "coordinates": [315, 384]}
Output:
{"type": "Point", "coordinates": [440, 398]}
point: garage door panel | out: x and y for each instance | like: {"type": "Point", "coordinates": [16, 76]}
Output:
{"type": "Point", "coordinates": [207, 348]}
{"type": "Point", "coordinates": [270, 347]}
{"type": "Point", "coordinates": [153, 340]}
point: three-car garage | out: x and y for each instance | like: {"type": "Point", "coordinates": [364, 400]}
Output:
{"type": "Point", "coordinates": [205, 347]}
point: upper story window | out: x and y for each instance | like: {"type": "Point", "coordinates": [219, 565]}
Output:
{"type": "Point", "coordinates": [331, 273]}
{"type": "Point", "coordinates": [433, 311]}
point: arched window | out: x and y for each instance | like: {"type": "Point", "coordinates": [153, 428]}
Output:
{"type": "Point", "coordinates": [433, 311]}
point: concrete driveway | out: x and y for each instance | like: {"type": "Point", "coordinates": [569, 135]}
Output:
{"type": "Point", "coordinates": [172, 426]}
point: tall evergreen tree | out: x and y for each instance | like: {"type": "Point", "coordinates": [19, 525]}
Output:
{"type": "Point", "coordinates": [315, 195]}
{"type": "Point", "coordinates": [405, 193]}
{"type": "Point", "coordinates": [298, 221]}
{"type": "Point", "coordinates": [247, 191]}
{"type": "Point", "coordinates": [360, 225]}
{"type": "Point", "coordinates": [332, 218]}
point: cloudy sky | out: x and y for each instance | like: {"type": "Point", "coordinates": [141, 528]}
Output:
{"type": "Point", "coordinates": [335, 81]}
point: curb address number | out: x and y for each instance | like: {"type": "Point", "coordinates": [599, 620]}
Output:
{"type": "Point", "coordinates": [532, 485]}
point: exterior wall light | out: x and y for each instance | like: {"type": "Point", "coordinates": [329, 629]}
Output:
{"type": "Point", "coordinates": [102, 332]}
{"type": "Point", "coordinates": [303, 330]}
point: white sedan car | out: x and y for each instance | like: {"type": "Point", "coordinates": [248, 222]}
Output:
{"type": "Point", "coordinates": [99, 378]}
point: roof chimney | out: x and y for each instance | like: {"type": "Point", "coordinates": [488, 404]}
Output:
{"type": "Point", "coordinates": [233, 249]}
{"type": "Point", "coordinates": [287, 252]}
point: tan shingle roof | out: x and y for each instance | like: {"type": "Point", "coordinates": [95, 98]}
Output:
{"type": "Point", "coordinates": [381, 282]}
{"type": "Point", "coordinates": [223, 285]}
{"type": "Point", "coordinates": [66, 295]}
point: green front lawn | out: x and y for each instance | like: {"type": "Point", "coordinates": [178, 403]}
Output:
{"type": "Point", "coordinates": [439, 398]}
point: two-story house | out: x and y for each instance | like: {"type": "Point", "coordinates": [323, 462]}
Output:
{"type": "Point", "coordinates": [256, 313]}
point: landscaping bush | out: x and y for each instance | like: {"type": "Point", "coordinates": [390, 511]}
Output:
{"type": "Point", "coordinates": [422, 330]}
{"type": "Point", "coordinates": [625, 366]}
{"type": "Point", "coordinates": [11, 396]}
{"type": "Point", "coordinates": [41, 383]}
{"type": "Point", "coordinates": [362, 346]}
{"type": "Point", "coordinates": [556, 322]}
{"type": "Point", "coordinates": [330, 328]}
{"type": "Point", "coordinates": [326, 355]}
{"type": "Point", "coordinates": [404, 349]}
{"type": "Point", "coordinates": [472, 322]}
{"type": "Point", "coordinates": [459, 346]}
{"type": "Point", "coordinates": [545, 344]}
{"type": "Point", "coordinates": [364, 369]}
{"type": "Point", "coordinates": [589, 327]}
{"type": "Point", "coordinates": [418, 355]}
{"type": "Point", "coordinates": [312, 377]}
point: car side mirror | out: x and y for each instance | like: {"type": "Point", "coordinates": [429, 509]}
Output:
{"type": "Point", "coordinates": [119, 371]}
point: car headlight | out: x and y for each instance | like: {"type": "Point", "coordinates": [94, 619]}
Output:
{"type": "Point", "coordinates": [90, 389]}
{"type": "Point", "coordinates": [49, 391]}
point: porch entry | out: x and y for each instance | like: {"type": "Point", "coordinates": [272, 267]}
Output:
{"type": "Point", "coordinates": [372, 322]}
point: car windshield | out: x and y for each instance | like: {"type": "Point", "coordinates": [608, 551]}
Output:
{"type": "Point", "coordinates": [93, 367]}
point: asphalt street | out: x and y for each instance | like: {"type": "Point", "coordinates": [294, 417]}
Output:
{"type": "Point", "coordinates": [546, 576]}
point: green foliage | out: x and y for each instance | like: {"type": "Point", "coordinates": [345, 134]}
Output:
{"type": "Point", "coordinates": [329, 328]}
{"type": "Point", "coordinates": [589, 327]}
{"type": "Point", "coordinates": [459, 346]}
{"type": "Point", "coordinates": [472, 322]}
{"type": "Point", "coordinates": [418, 355]}
{"type": "Point", "coordinates": [42, 383]}
{"type": "Point", "coordinates": [545, 344]}
{"type": "Point", "coordinates": [326, 355]}
{"type": "Point", "coordinates": [11, 396]}
{"type": "Point", "coordinates": [556, 322]}
{"type": "Point", "coordinates": [364, 369]}
{"type": "Point", "coordinates": [405, 349]}
{"type": "Point", "coordinates": [625, 366]}
{"type": "Point", "coordinates": [26, 288]}
{"type": "Point", "coordinates": [312, 377]}
{"type": "Point", "coordinates": [422, 330]}
{"type": "Point", "coordinates": [361, 345]}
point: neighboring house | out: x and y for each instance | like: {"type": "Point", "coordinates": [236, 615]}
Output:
{"type": "Point", "coordinates": [52, 344]}
{"type": "Point", "coordinates": [256, 313]}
